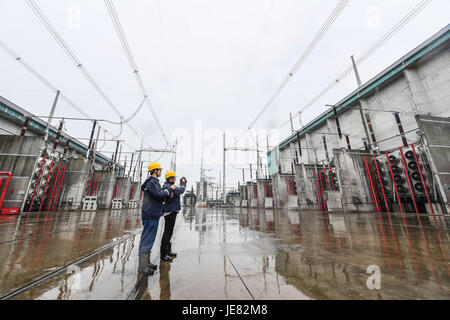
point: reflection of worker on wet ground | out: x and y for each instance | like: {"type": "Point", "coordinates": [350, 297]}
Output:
{"type": "Point", "coordinates": [171, 208]}
{"type": "Point", "coordinates": [141, 291]}
{"type": "Point", "coordinates": [164, 281]}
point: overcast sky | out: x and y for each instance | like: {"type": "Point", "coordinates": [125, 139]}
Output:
{"type": "Point", "coordinates": [206, 63]}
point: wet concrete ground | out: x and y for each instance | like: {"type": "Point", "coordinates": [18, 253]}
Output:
{"type": "Point", "coordinates": [230, 254]}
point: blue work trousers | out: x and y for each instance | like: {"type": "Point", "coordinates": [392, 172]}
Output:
{"type": "Point", "coordinates": [148, 235]}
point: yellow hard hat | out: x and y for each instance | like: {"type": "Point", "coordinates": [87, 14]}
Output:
{"type": "Point", "coordinates": [154, 166]}
{"type": "Point", "coordinates": [170, 174]}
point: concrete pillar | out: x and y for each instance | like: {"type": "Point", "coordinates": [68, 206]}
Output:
{"type": "Point", "coordinates": [311, 148]}
{"type": "Point", "coordinates": [353, 182]}
{"type": "Point", "coordinates": [124, 189]}
{"type": "Point", "coordinates": [106, 189]}
{"type": "Point", "coordinates": [75, 181]}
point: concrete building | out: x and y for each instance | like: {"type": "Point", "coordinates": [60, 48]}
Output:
{"type": "Point", "coordinates": [400, 119]}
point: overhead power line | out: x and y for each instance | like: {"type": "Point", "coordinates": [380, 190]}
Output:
{"type": "Point", "coordinates": [41, 78]}
{"type": "Point", "coordinates": [318, 37]}
{"type": "Point", "coordinates": [404, 21]}
{"type": "Point", "coordinates": [69, 52]}
{"type": "Point", "coordinates": [126, 47]}
{"type": "Point", "coordinates": [48, 84]}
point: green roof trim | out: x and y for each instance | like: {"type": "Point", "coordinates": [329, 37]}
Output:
{"type": "Point", "coordinates": [52, 133]}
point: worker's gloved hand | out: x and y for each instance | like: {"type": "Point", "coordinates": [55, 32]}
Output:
{"type": "Point", "coordinates": [173, 187]}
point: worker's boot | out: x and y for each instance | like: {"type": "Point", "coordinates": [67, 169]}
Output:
{"type": "Point", "coordinates": [144, 267]}
{"type": "Point", "coordinates": [150, 264]}
{"type": "Point", "coordinates": [169, 251]}
{"type": "Point", "coordinates": [164, 254]}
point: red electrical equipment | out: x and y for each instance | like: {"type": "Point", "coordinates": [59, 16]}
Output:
{"type": "Point", "coordinates": [4, 184]}
{"type": "Point", "coordinates": [402, 174]}
{"type": "Point", "coordinates": [291, 186]}
{"type": "Point", "coordinates": [383, 177]}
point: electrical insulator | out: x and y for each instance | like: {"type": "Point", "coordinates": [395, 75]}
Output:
{"type": "Point", "coordinates": [402, 189]}
{"type": "Point", "coordinates": [419, 187]}
{"type": "Point", "coordinates": [409, 155]}
{"type": "Point", "coordinates": [412, 165]}
{"type": "Point", "coordinates": [416, 176]}
{"type": "Point", "coordinates": [399, 179]}
{"type": "Point", "coordinates": [393, 159]}
{"type": "Point", "coordinates": [396, 170]}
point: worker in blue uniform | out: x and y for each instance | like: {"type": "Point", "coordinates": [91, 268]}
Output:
{"type": "Point", "coordinates": [152, 211]}
{"type": "Point", "coordinates": [171, 208]}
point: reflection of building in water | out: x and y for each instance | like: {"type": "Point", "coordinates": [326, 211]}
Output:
{"type": "Point", "coordinates": [54, 240]}
{"type": "Point", "coordinates": [326, 256]}
{"type": "Point", "coordinates": [333, 259]}
{"type": "Point", "coordinates": [254, 219]}
{"type": "Point", "coordinates": [270, 219]}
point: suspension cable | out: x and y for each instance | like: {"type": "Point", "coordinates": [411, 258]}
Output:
{"type": "Point", "coordinates": [122, 37]}
{"type": "Point", "coordinates": [48, 84]}
{"type": "Point", "coordinates": [316, 40]}
{"type": "Point", "coordinates": [404, 21]}
{"type": "Point", "coordinates": [69, 52]}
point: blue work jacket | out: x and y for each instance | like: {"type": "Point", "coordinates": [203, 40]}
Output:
{"type": "Point", "coordinates": [154, 197]}
{"type": "Point", "coordinates": [173, 204]}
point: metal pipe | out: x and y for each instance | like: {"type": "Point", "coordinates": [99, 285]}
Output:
{"type": "Point", "coordinates": [292, 124]}
{"type": "Point", "coordinates": [89, 150]}
{"type": "Point", "coordinates": [131, 165]}
{"type": "Point", "coordinates": [347, 138]}
{"type": "Point", "coordinates": [376, 192]}
{"type": "Point", "coordinates": [115, 154]}
{"type": "Point", "coordinates": [58, 135]}
{"type": "Point", "coordinates": [25, 126]}
{"type": "Point", "coordinates": [46, 185]}
{"type": "Point", "coordinates": [37, 183]}
{"type": "Point", "coordinates": [400, 129]}
{"type": "Point", "coordinates": [327, 155]}
{"type": "Point", "coordinates": [372, 133]}
{"type": "Point", "coordinates": [338, 125]}
{"type": "Point", "coordinates": [373, 191]}
{"type": "Point", "coordinates": [49, 203]}
{"type": "Point", "coordinates": [225, 168]}
{"type": "Point", "coordinates": [5, 189]}
{"type": "Point", "coordinates": [60, 186]}
{"type": "Point", "coordinates": [66, 147]}
{"type": "Point", "coordinates": [50, 118]}
{"type": "Point", "coordinates": [98, 183]}
{"type": "Point", "coordinates": [90, 184]}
